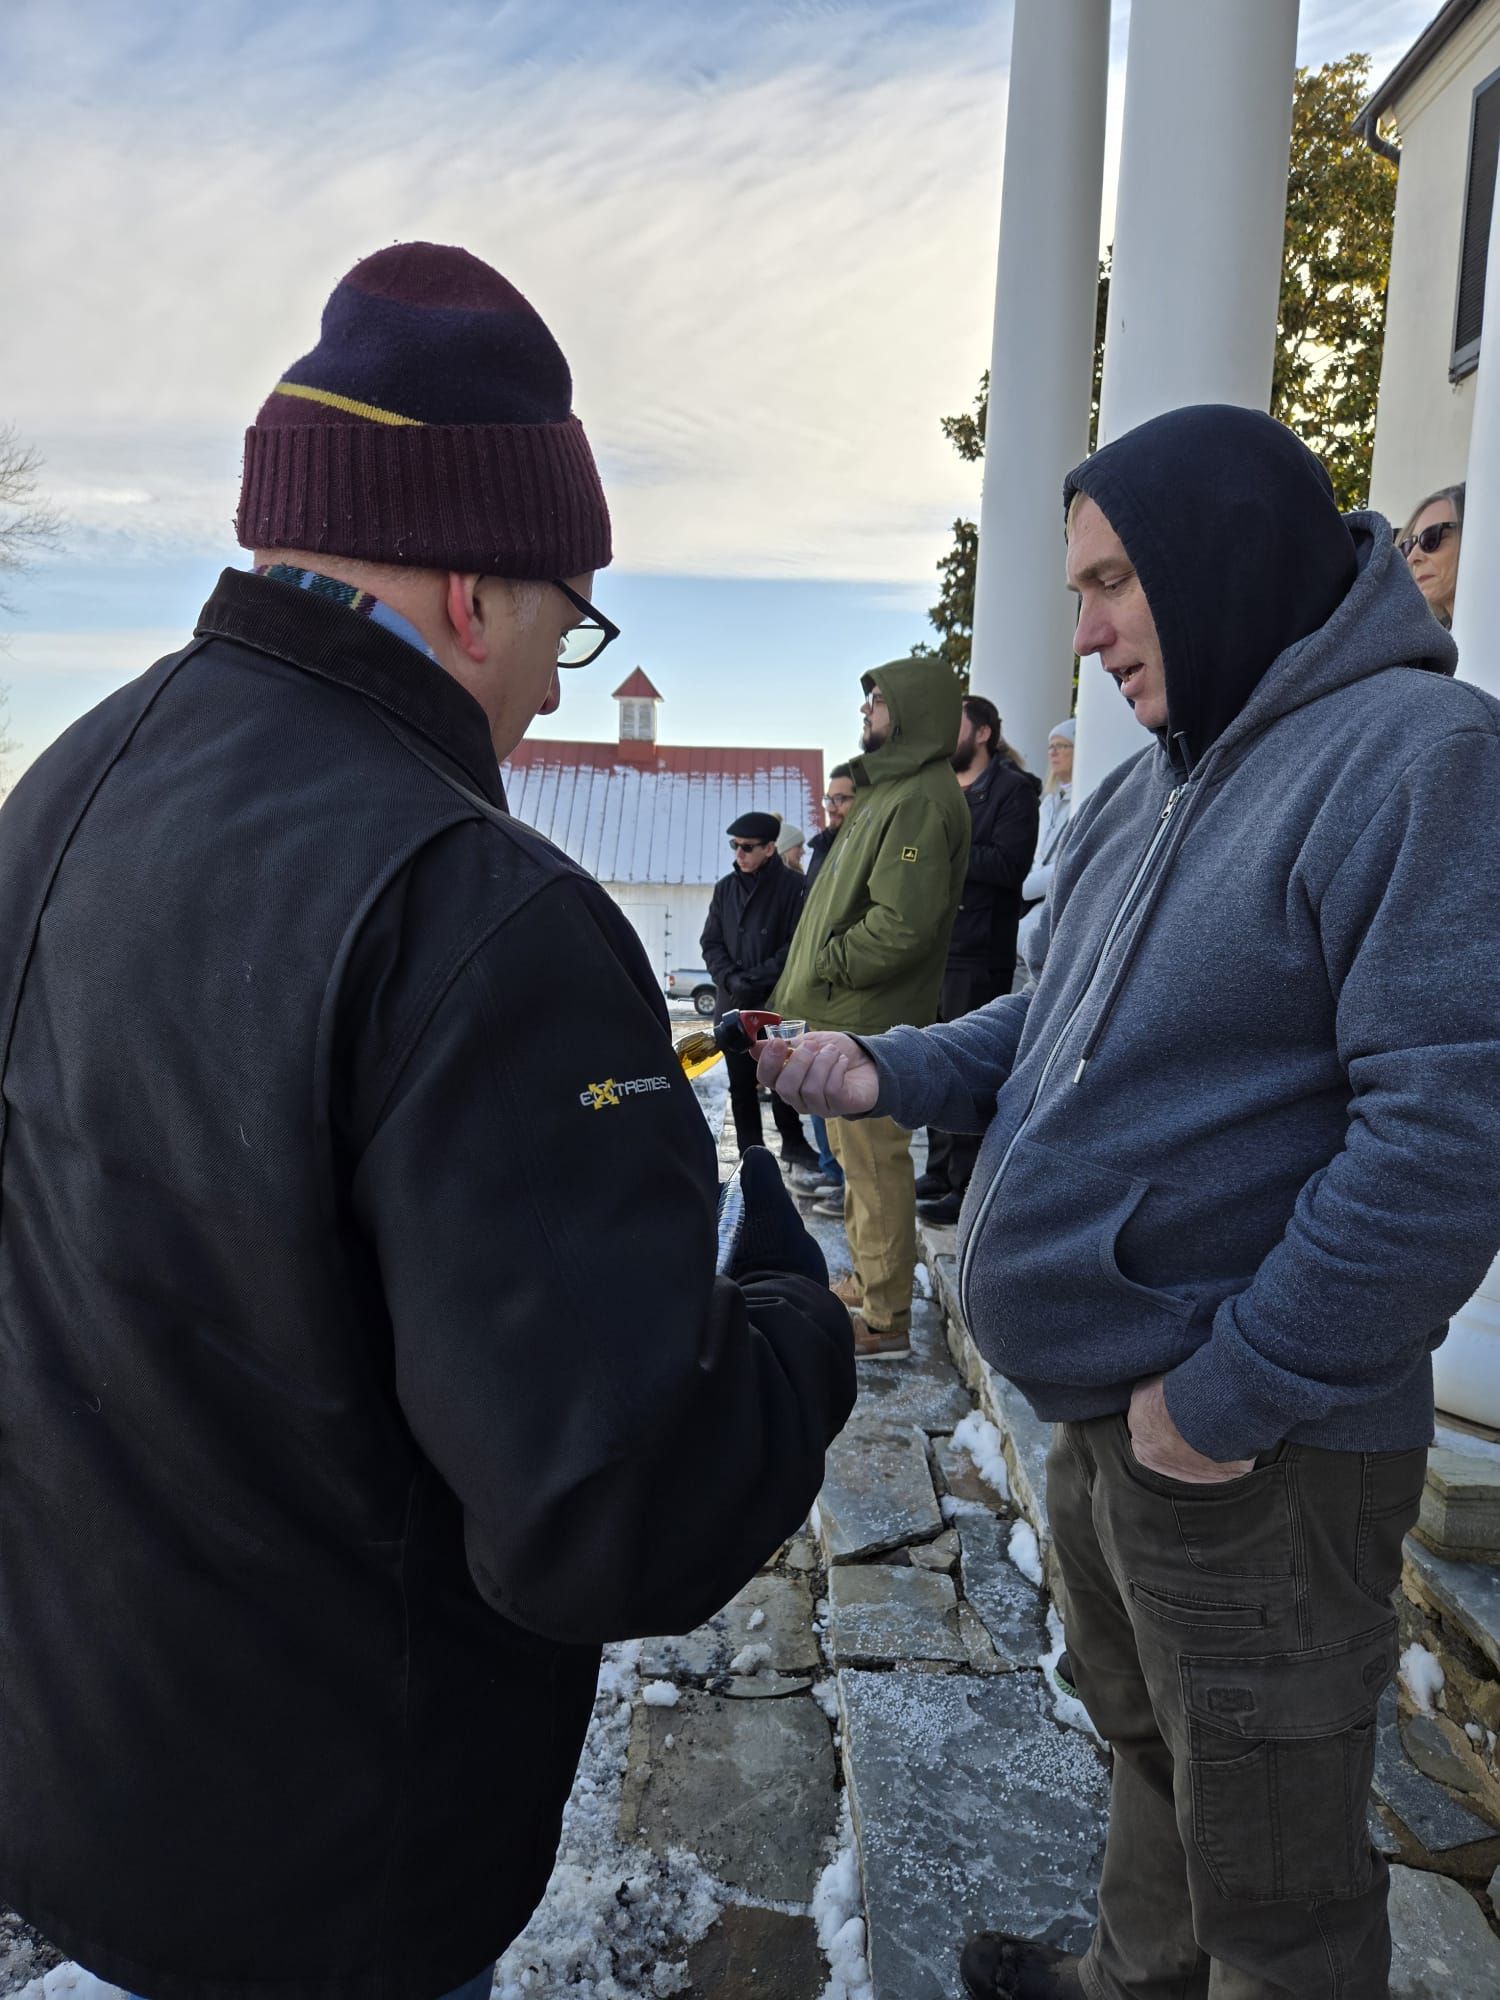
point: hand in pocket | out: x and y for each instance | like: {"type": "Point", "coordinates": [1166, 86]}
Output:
{"type": "Point", "coordinates": [1161, 1447]}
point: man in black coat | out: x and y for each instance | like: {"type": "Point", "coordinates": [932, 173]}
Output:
{"type": "Point", "coordinates": [1004, 806]}
{"type": "Point", "coordinates": [751, 917]}
{"type": "Point", "coordinates": [366, 1362]}
{"type": "Point", "coordinates": [836, 803]}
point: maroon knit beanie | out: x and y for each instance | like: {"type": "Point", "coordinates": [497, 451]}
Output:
{"type": "Point", "coordinates": [431, 425]}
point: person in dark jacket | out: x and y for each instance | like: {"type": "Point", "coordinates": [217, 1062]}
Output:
{"type": "Point", "coordinates": [1003, 801]}
{"type": "Point", "coordinates": [751, 917]}
{"type": "Point", "coordinates": [836, 803]}
{"type": "Point", "coordinates": [366, 1361]}
{"type": "Point", "coordinates": [1243, 1167]}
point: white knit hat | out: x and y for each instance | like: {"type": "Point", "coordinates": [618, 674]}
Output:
{"type": "Point", "coordinates": [789, 837]}
{"type": "Point", "coordinates": [1067, 730]}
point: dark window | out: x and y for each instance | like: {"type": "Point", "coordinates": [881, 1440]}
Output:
{"type": "Point", "coordinates": [1479, 201]}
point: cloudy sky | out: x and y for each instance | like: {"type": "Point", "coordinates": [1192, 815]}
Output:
{"type": "Point", "coordinates": [763, 234]}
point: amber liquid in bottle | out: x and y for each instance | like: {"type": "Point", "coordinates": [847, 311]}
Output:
{"type": "Point", "coordinates": [701, 1049]}
{"type": "Point", "coordinates": [698, 1052]}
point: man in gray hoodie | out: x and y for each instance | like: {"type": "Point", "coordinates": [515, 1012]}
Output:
{"type": "Point", "coordinates": [1243, 1164]}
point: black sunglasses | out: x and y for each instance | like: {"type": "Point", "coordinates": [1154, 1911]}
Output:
{"type": "Point", "coordinates": [1429, 541]}
{"type": "Point", "coordinates": [582, 643]}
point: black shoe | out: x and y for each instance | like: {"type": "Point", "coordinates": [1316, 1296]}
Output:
{"type": "Point", "coordinates": [996, 1966]}
{"type": "Point", "coordinates": [930, 1186]}
{"type": "Point", "coordinates": [1062, 1673]}
{"type": "Point", "coordinates": [802, 1157]}
{"type": "Point", "coordinates": [944, 1208]}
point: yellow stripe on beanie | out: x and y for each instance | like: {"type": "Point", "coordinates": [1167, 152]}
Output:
{"type": "Point", "coordinates": [337, 402]}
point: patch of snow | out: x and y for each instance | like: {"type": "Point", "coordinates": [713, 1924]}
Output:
{"type": "Point", "coordinates": [1024, 1552]}
{"type": "Point", "coordinates": [756, 1619]}
{"type": "Point", "coordinates": [659, 1694]}
{"type": "Point", "coordinates": [750, 1659]}
{"type": "Point", "coordinates": [669, 1741]}
{"type": "Point", "coordinates": [69, 1982]}
{"type": "Point", "coordinates": [923, 1281]}
{"type": "Point", "coordinates": [1422, 1676]}
{"type": "Point", "coordinates": [814, 1521]}
{"type": "Point", "coordinates": [616, 1920]}
{"type": "Point", "coordinates": [826, 1695]}
{"type": "Point", "coordinates": [977, 1436]}
{"type": "Point", "coordinates": [1068, 1709]}
{"type": "Point", "coordinates": [838, 1912]}
{"type": "Point", "coordinates": [1473, 1731]}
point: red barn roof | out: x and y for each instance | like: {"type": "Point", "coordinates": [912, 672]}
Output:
{"type": "Point", "coordinates": [654, 812]}
{"type": "Point", "coordinates": [637, 685]}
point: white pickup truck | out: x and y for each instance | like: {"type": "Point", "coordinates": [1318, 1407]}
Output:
{"type": "Point", "coordinates": [690, 982]}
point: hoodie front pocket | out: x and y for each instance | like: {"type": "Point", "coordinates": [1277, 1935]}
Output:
{"type": "Point", "coordinates": [1051, 1243]}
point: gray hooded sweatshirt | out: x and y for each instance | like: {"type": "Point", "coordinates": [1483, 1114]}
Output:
{"type": "Point", "coordinates": [1245, 1132]}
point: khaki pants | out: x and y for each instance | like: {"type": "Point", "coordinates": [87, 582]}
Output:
{"type": "Point", "coordinates": [880, 1215]}
{"type": "Point", "coordinates": [1232, 1642]}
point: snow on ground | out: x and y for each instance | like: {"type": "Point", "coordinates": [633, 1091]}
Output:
{"type": "Point", "coordinates": [838, 1911]}
{"type": "Point", "coordinates": [68, 1982]}
{"type": "Point", "coordinates": [1422, 1676]}
{"type": "Point", "coordinates": [977, 1436]}
{"type": "Point", "coordinates": [615, 1919]}
{"type": "Point", "coordinates": [712, 1092]}
{"type": "Point", "coordinates": [1066, 1707]}
{"type": "Point", "coordinates": [1024, 1552]}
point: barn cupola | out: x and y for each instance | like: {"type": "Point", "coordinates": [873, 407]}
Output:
{"type": "Point", "coordinates": [638, 704]}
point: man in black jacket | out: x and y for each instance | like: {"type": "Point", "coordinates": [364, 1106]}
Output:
{"type": "Point", "coordinates": [366, 1365]}
{"type": "Point", "coordinates": [836, 802]}
{"type": "Point", "coordinates": [751, 917]}
{"type": "Point", "coordinates": [1004, 806]}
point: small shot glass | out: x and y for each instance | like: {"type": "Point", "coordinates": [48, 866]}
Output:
{"type": "Point", "coordinates": [786, 1031]}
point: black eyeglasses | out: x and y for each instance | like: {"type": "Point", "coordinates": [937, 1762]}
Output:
{"type": "Point", "coordinates": [749, 846]}
{"type": "Point", "coordinates": [582, 643]}
{"type": "Point", "coordinates": [1429, 541]}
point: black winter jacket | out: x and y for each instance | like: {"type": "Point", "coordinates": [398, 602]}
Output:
{"type": "Point", "coordinates": [364, 1363]}
{"type": "Point", "coordinates": [749, 930]}
{"type": "Point", "coordinates": [817, 851]}
{"type": "Point", "coordinates": [1004, 807]}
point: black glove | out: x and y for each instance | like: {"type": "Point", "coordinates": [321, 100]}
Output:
{"type": "Point", "coordinates": [772, 1236]}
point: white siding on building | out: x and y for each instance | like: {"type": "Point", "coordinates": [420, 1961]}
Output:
{"type": "Point", "coordinates": [1422, 431]}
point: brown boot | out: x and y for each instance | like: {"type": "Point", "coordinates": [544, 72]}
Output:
{"type": "Point", "coordinates": [996, 1966]}
{"type": "Point", "coordinates": [847, 1289]}
{"type": "Point", "coordinates": [872, 1340]}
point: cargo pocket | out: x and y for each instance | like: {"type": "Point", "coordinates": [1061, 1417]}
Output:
{"type": "Point", "coordinates": [1390, 1500]}
{"type": "Point", "coordinates": [1282, 1751]}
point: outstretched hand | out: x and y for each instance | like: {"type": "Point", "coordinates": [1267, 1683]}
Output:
{"type": "Point", "coordinates": [828, 1075]}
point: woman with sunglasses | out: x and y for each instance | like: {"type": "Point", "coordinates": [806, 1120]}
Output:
{"type": "Point", "coordinates": [1429, 542]}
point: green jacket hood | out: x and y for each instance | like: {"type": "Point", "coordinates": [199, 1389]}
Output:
{"type": "Point", "coordinates": [926, 709]}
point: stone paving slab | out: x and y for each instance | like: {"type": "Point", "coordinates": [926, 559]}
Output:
{"type": "Point", "coordinates": [1013, 1609]}
{"type": "Point", "coordinates": [966, 1484]}
{"type": "Point", "coordinates": [24, 1954]}
{"type": "Point", "coordinates": [924, 1389]}
{"type": "Point", "coordinates": [877, 1493]}
{"type": "Point", "coordinates": [882, 1613]}
{"type": "Point", "coordinates": [1465, 1592]}
{"type": "Point", "coordinates": [974, 1811]}
{"type": "Point", "coordinates": [753, 1954]}
{"type": "Point", "coordinates": [1441, 1946]}
{"type": "Point", "coordinates": [773, 1611]}
{"type": "Point", "coordinates": [1433, 1815]}
{"type": "Point", "coordinates": [747, 1786]}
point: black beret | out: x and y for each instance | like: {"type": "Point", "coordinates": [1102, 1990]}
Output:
{"type": "Point", "coordinates": [755, 826]}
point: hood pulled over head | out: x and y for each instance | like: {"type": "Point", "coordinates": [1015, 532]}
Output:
{"type": "Point", "coordinates": [1230, 523]}
{"type": "Point", "coordinates": [925, 701]}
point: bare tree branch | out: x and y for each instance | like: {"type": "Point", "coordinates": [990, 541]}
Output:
{"type": "Point", "coordinates": [27, 524]}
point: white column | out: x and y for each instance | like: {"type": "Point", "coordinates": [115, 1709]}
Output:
{"type": "Point", "coordinates": [1198, 244]}
{"type": "Point", "coordinates": [1466, 1368]}
{"type": "Point", "coordinates": [1041, 362]}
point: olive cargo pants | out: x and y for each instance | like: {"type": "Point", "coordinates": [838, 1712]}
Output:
{"type": "Point", "coordinates": [1231, 1642]}
{"type": "Point", "coordinates": [880, 1214]}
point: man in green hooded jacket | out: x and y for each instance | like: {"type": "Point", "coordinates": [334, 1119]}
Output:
{"type": "Point", "coordinates": [869, 953]}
